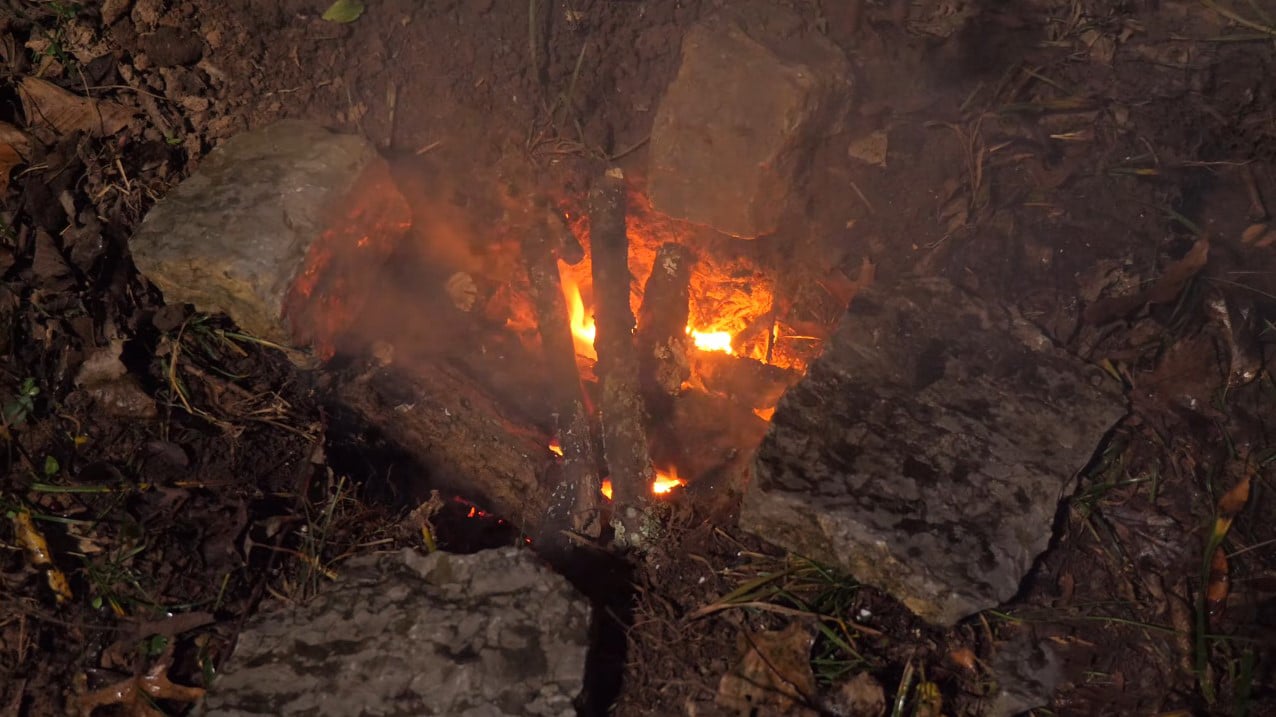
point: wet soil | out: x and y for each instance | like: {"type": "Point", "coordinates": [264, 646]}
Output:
{"type": "Point", "coordinates": [1060, 156]}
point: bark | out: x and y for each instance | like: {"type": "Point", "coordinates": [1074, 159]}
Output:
{"type": "Point", "coordinates": [459, 435]}
{"type": "Point", "coordinates": [576, 499]}
{"type": "Point", "coordinates": [663, 345]}
{"type": "Point", "coordinates": [624, 436]}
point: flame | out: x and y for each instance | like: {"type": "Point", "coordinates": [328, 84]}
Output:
{"type": "Point", "coordinates": [763, 413]}
{"type": "Point", "coordinates": [606, 490]}
{"type": "Point", "coordinates": [666, 481]}
{"type": "Point", "coordinates": [583, 329]}
{"type": "Point", "coordinates": [711, 340]}
{"type": "Point", "coordinates": [555, 448]}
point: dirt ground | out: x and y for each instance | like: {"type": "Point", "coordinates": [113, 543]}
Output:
{"type": "Point", "coordinates": [1108, 167]}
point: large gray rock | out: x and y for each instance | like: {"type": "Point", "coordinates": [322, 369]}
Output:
{"type": "Point", "coordinates": [928, 448]}
{"type": "Point", "coordinates": [483, 635]}
{"type": "Point", "coordinates": [753, 93]}
{"type": "Point", "coordinates": [279, 228]}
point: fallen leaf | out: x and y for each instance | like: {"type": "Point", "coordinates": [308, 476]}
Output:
{"type": "Point", "coordinates": [860, 696]}
{"type": "Point", "coordinates": [774, 677]}
{"type": "Point", "coordinates": [870, 149]}
{"type": "Point", "coordinates": [137, 695]}
{"type": "Point", "coordinates": [37, 549]}
{"type": "Point", "coordinates": [47, 105]}
{"type": "Point", "coordinates": [1252, 233]}
{"type": "Point", "coordinates": [344, 11]}
{"type": "Point", "coordinates": [1164, 290]}
{"type": "Point", "coordinates": [15, 148]}
{"type": "Point", "coordinates": [1219, 582]}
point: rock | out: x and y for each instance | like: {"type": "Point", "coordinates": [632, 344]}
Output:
{"type": "Point", "coordinates": [753, 93]}
{"type": "Point", "coordinates": [280, 228]}
{"type": "Point", "coordinates": [928, 448]}
{"type": "Point", "coordinates": [493, 633]}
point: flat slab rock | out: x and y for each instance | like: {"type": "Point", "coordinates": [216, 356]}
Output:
{"type": "Point", "coordinates": [489, 634]}
{"type": "Point", "coordinates": [928, 448]}
{"type": "Point", "coordinates": [270, 225]}
{"type": "Point", "coordinates": [754, 92]}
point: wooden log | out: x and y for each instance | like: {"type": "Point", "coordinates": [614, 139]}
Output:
{"type": "Point", "coordinates": [465, 441]}
{"type": "Point", "coordinates": [577, 500]}
{"type": "Point", "coordinates": [747, 381]}
{"type": "Point", "coordinates": [663, 345]}
{"type": "Point", "coordinates": [624, 436]}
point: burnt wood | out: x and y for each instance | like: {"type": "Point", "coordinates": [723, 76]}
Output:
{"type": "Point", "coordinates": [577, 498]}
{"type": "Point", "coordinates": [463, 438]}
{"type": "Point", "coordinates": [624, 435]}
{"type": "Point", "coordinates": [663, 345]}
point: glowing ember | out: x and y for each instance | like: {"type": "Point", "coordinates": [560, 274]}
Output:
{"type": "Point", "coordinates": [666, 481]}
{"type": "Point", "coordinates": [763, 413]}
{"type": "Point", "coordinates": [583, 329]}
{"type": "Point", "coordinates": [607, 489]}
{"type": "Point", "coordinates": [711, 340]}
{"type": "Point", "coordinates": [555, 448]}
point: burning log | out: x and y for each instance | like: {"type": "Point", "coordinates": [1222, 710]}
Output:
{"type": "Point", "coordinates": [463, 438]}
{"type": "Point", "coordinates": [576, 499]}
{"type": "Point", "coordinates": [748, 381]}
{"type": "Point", "coordinates": [663, 344]}
{"type": "Point", "coordinates": [624, 436]}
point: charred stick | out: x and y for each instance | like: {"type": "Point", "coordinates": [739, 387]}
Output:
{"type": "Point", "coordinates": [576, 499]}
{"type": "Point", "coordinates": [624, 436]}
{"type": "Point", "coordinates": [663, 345]}
{"type": "Point", "coordinates": [463, 439]}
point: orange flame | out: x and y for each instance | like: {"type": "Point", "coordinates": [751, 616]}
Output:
{"type": "Point", "coordinates": [607, 489]}
{"type": "Point", "coordinates": [711, 340]}
{"type": "Point", "coordinates": [666, 481]}
{"type": "Point", "coordinates": [583, 329]}
{"type": "Point", "coordinates": [556, 448]}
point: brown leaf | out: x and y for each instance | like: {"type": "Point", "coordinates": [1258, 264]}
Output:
{"type": "Point", "coordinates": [1234, 500]}
{"type": "Point", "coordinates": [15, 148]}
{"type": "Point", "coordinates": [775, 675]}
{"type": "Point", "coordinates": [136, 695]}
{"type": "Point", "coordinates": [860, 696]}
{"type": "Point", "coordinates": [1220, 583]}
{"type": "Point", "coordinates": [1164, 290]}
{"type": "Point", "coordinates": [47, 105]}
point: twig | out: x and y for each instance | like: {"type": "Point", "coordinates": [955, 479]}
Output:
{"type": "Point", "coordinates": [1239, 20]}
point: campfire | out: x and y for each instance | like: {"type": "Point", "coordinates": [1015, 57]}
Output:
{"type": "Point", "coordinates": [639, 354]}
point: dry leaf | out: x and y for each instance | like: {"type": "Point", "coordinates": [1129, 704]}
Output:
{"type": "Point", "coordinates": [15, 148]}
{"type": "Point", "coordinates": [1252, 233]}
{"type": "Point", "coordinates": [47, 105]}
{"type": "Point", "coordinates": [136, 695]}
{"type": "Point", "coordinates": [775, 675]}
{"type": "Point", "coordinates": [1166, 289]}
{"type": "Point", "coordinates": [1220, 582]}
{"type": "Point", "coordinates": [860, 696]}
{"type": "Point", "coordinates": [37, 549]}
{"type": "Point", "coordinates": [870, 149]}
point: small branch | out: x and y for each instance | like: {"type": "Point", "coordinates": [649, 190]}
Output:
{"type": "Point", "coordinates": [575, 502]}
{"type": "Point", "coordinates": [624, 435]}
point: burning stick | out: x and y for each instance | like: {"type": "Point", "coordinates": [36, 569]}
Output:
{"type": "Point", "coordinates": [575, 503]}
{"type": "Point", "coordinates": [663, 343]}
{"type": "Point", "coordinates": [624, 437]}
